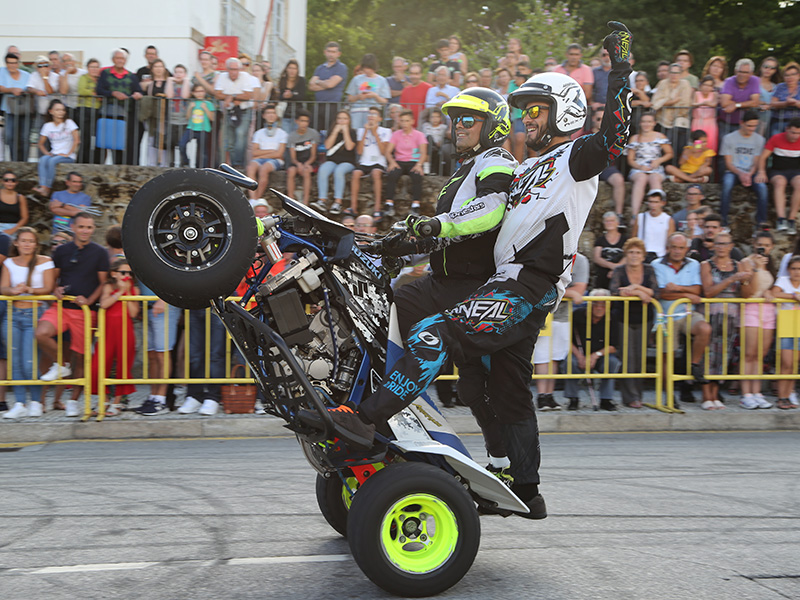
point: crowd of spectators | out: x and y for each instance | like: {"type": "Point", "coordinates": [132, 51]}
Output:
{"type": "Point", "coordinates": [742, 129]}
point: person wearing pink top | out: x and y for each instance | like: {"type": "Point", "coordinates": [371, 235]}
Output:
{"type": "Point", "coordinates": [407, 152]}
{"type": "Point", "coordinates": [575, 68]}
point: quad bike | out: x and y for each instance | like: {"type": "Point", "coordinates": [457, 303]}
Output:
{"type": "Point", "coordinates": [408, 504]}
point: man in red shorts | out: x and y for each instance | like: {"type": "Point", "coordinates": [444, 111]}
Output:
{"type": "Point", "coordinates": [81, 270]}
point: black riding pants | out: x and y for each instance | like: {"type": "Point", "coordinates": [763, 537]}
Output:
{"type": "Point", "coordinates": [498, 319]}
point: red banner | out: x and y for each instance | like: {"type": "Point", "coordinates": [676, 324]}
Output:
{"type": "Point", "coordinates": [223, 47]}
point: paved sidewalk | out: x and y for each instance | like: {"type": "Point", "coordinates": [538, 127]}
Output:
{"type": "Point", "coordinates": [54, 426]}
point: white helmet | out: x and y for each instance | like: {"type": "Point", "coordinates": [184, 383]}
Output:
{"type": "Point", "coordinates": [565, 96]}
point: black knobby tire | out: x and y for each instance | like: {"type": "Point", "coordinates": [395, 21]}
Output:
{"type": "Point", "coordinates": [400, 502]}
{"type": "Point", "coordinates": [190, 236]}
{"type": "Point", "coordinates": [332, 498]}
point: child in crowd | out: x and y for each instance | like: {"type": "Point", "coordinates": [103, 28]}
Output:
{"type": "Point", "coordinates": [373, 141]}
{"type": "Point", "coordinates": [788, 288]}
{"type": "Point", "coordinates": [200, 113]}
{"type": "Point", "coordinates": [654, 226]}
{"type": "Point", "coordinates": [25, 273]}
{"type": "Point", "coordinates": [437, 131]}
{"type": "Point", "coordinates": [695, 161]}
{"type": "Point", "coordinates": [302, 142]}
{"type": "Point", "coordinates": [119, 327]}
{"type": "Point", "coordinates": [704, 113]}
{"type": "Point", "coordinates": [267, 148]}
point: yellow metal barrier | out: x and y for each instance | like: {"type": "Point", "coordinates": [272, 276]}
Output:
{"type": "Point", "coordinates": [85, 381]}
{"type": "Point", "coordinates": [681, 306]}
{"type": "Point", "coordinates": [665, 340]}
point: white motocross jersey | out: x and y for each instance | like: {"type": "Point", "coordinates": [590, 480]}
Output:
{"type": "Point", "coordinates": [550, 199]}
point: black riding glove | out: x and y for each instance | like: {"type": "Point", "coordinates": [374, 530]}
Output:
{"type": "Point", "coordinates": [618, 43]}
{"type": "Point", "coordinates": [423, 227]}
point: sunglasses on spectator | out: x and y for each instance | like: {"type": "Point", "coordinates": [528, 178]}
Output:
{"type": "Point", "coordinates": [124, 272]}
{"type": "Point", "coordinates": [467, 121]}
{"type": "Point", "coordinates": [532, 111]}
{"type": "Point", "coordinates": [773, 67]}
{"type": "Point", "coordinates": [10, 179]}
{"type": "Point", "coordinates": [472, 81]}
{"type": "Point", "coordinates": [40, 65]}
{"type": "Point", "coordinates": [244, 64]}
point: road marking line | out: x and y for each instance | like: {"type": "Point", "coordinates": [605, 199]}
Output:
{"type": "Point", "coordinates": [134, 566]}
{"type": "Point", "coordinates": [279, 560]}
{"type": "Point", "coordinates": [93, 567]}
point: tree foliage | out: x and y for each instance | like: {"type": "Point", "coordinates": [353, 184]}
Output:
{"type": "Point", "coordinates": [731, 28]}
{"type": "Point", "coordinates": [387, 28]}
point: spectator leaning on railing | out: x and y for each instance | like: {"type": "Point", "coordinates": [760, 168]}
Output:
{"type": "Point", "coordinates": [600, 349]}
{"type": "Point", "coordinates": [721, 279]}
{"type": "Point", "coordinates": [81, 270]}
{"type": "Point", "coordinates": [122, 89]}
{"type": "Point", "coordinates": [633, 279]}
{"type": "Point", "coordinates": [87, 113]}
{"type": "Point", "coordinates": [788, 288]}
{"type": "Point", "coordinates": [759, 319]}
{"type": "Point", "coordinates": [678, 278]}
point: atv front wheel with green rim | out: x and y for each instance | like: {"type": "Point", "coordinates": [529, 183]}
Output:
{"type": "Point", "coordinates": [413, 529]}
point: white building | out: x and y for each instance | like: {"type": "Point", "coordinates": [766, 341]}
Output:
{"type": "Point", "coordinates": [178, 28]}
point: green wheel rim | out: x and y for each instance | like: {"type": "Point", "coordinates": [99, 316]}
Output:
{"type": "Point", "coordinates": [347, 499]}
{"type": "Point", "coordinates": [419, 533]}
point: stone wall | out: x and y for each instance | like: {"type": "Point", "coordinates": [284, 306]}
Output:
{"type": "Point", "coordinates": [113, 186]}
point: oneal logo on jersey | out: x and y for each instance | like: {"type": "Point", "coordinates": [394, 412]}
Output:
{"type": "Point", "coordinates": [402, 386]}
{"type": "Point", "coordinates": [484, 310]}
{"type": "Point", "coordinates": [470, 208]}
{"type": "Point", "coordinates": [525, 184]}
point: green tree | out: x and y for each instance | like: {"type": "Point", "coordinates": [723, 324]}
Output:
{"type": "Point", "coordinates": [731, 28]}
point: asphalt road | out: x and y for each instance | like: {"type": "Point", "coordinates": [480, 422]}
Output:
{"type": "Point", "coordinates": [632, 516]}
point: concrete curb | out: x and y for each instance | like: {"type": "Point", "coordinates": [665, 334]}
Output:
{"type": "Point", "coordinates": [257, 426]}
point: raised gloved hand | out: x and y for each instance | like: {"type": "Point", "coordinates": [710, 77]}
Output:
{"type": "Point", "coordinates": [423, 227]}
{"type": "Point", "coordinates": [618, 43]}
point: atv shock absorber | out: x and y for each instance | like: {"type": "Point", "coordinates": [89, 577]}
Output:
{"type": "Point", "coordinates": [347, 371]}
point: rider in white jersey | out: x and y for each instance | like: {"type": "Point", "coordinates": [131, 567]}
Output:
{"type": "Point", "coordinates": [550, 199]}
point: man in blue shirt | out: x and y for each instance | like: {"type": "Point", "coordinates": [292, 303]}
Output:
{"type": "Point", "coordinates": [679, 277]}
{"type": "Point", "coordinates": [13, 87]}
{"type": "Point", "coordinates": [328, 84]}
{"type": "Point", "coordinates": [69, 202]}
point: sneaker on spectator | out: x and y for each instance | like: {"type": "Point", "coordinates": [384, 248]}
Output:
{"type": "Point", "coordinates": [761, 401]}
{"type": "Point", "coordinates": [320, 206]}
{"type": "Point", "coordinates": [349, 212]}
{"type": "Point", "coordinates": [546, 402]}
{"type": "Point", "coordinates": [748, 401]}
{"type": "Point", "coordinates": [259, 408]}
{"type": "Point", "coordinates": [3, 406]}
{"type": "Point", "coordinates": [35, 409]}
{"type": "Point", "coordinates": [574, 404]}
{"type": "Point", "coordinates": [210, 407]}
{"type": "Point", "coordinates": [388, 209]}
{"type": "Point", "coordinates": [782, 225]}
{"type": "Point", "coordinates": [18, 411]}
{"type": "Point", "coordinates": [72, 409]}
{"type": "Point", "coordinates": [56, 371]}
{"type": "Point", "coordinates": [335, 208]}
{"type": "Point", "coordinates": [718, 404]}
{"type": "Point", "coordinates": [377, 217]}
{"type": "Point", "coordinates": [793, 399]}
{"type": "Point", "coordinates": [414, 209]}
{"type": "Point", "coordinates": [152, 407]}
{"type": "Point", "coordinates": [607, 404]}
{"type": "Point", "coordinates": [189, 406]}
